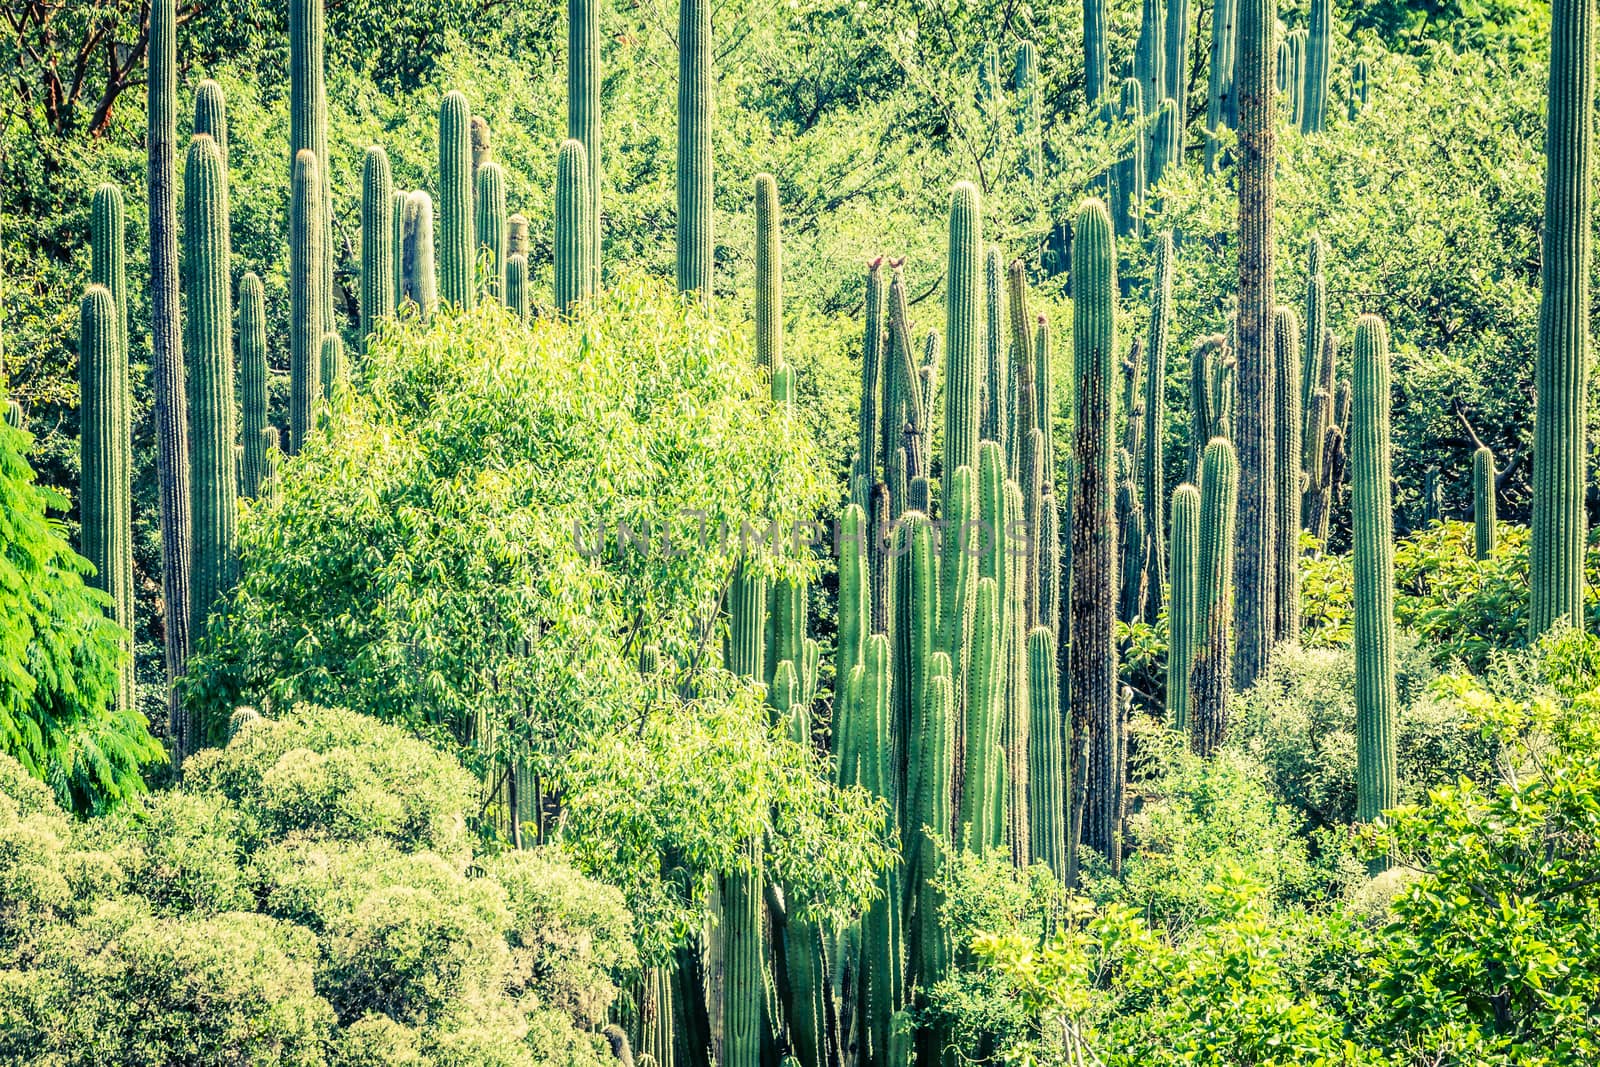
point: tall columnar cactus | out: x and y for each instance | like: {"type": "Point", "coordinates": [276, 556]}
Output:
{"type": "Point", "coordinates": [213, 478]}
{"type": "Point", "coordinates": [902, 407]}
{"type": "Point", "coordinates": [934, 757]}
{"type": "Point", "coordinates": [105, 500]}
{"type": "Point", "coordinates": [963, 356]}
{"type": "Point", "coordinates": [1182, 609]}
{"type": "Point", "coordinates": [994, 422]}
{"type": "Point", "coordinates": [1096, 55]}
{"type": "Point", "coordinates": [1152, 488]}
{"type": "Point", "coordinates": [252, 384]}
{"type": "Point", "coordinates": [1318, 53]}
{"type": "Point", "coordinates": [1150, 56]}
{"type": "Point", "coordinates": [1092, 662]}
{"type": "Point", "coordinates": [108, 268]}
{"type": "Point", "coordinates": [914, 632]}
{"type": "Point", "coordinates": [1372, 532]}
{"type": "Point", "coordinates": [1130, 183]}
{"type": "Point", "coordinates": [1255, 432]}
{"type": "Point", "coordinates": [769, 275]}
{"type": "Point", "coordinates": [305, 297]}
{"type": "Point", "coordinates": [866, 473]}
{"type": "Point", "coordinates": [1016, 720]}
{"type": "Point", "coordinates": [1483, 502]}
{"type": "Point", "coordinates": [457, 266]}
{"type": "Point", "coordinates": [211, 116]}
{"type": "Point", "coordinates": [332, 365]}
{"type": "Point", "coordinates": [1029, 117]}
{"type": "Point", "coordinates": [1047, 775]}
{"type": "Point", "coordinates": [882, 947]}
{"type": "Point", "coordinates": [743, 916]}
{"type": "Point", "coordinates": [1287, 464]}
{"type": "Point", "coordinates": [583, 108]}
{"type": "Point", "coordinates": [1176, 68]}
{"type": "Point", "coordinates": [1210, 679]}
{"type": "Point", "coordinates": [1316, 312]}
{"type": "Point", "coordinates": [1166, 150]}
{"type": "Point", "coordinates": [978, 818]}
{"type": "Point", "coordinates": [572, 225]}
{"type": "Point", "coordinates": [1224, 42]}
{"type": "Point", "coordinates": [958, 575]}
{"type": "Point", "coordinates": [1019, 401]}
{"type": "Point", "coordinates": [416, 253]}
{"type": "Point", "coordinates": [517, 286]}
{"type": "Point", "coordinates": [377, 240]}
{"type": "Point", "coordinates": [397, 240]}
{"type": "Point", "coordinates": [696, 85]}
{"type": "Point", "coordinates": [489, 226]}
{"type": "Point", "coordinates": [1561, 374]}
{"type": "Point", "coordinates": [166, 353]}
{"type": "Point", "coordinates": [308, 127]}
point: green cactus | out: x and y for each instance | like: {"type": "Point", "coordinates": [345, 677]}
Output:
{"type": "Point", "coordinates": [305, 297]}
{"type": "Point", "coordinates": [958, 575]}
{"type": "Point", "coordinates": [769, 276]}
{"type": "Point", "coordinates": [377, 235]}
{"type": "Point", "coordinates": [1176, 68]}
{"type": "Point", "coordinates": [1372, 533]}
{"type": "Point", "coordinates": [1096, 56]}
{"type": "Point", "coordinates": [1287, 464]}
{"type": "Point", "coordinates": [1561, 372]}
{"type": "Point", "coordinates": [490, 227]}
{"type": "Point", "coordinates": [1029, 119]}
{"type": "Point", "coordinates": [1152, 489]}
{"type": "Point", "coordinates": [572, 225]}
{"type": "Point", "coordinates": [855, 610]}
{"type": "Point", "coordinates": [252, 383]}
{"type": "Point", "coordinates": [743, 917]}
{"type": "Point", "coordinates": [963, 370]}
{"type": "Point", "coordinates": [1318, 53]}
{"type": "Point", "coordinates": [934, 755]}
{"type": "Point", "coordinates": [1092, 662]}
{"type": "Point", "coordinates": [883, 959]}
{"type": "Point", "coordinates": [308, 128]}
{"type": "Point", "coordinates": [1483, 502]}
{"type": "Point", "coordinates": [332, 365]}
{"type": "Point", "coordinates": [1220, 91]}
{"type": "Point", "coordinates": [866, 471]}
{"type": "Point", "coordinates": [397, 240]}
{"type": "Point", "coordinates": [696, 85]}
{"type": "Point", "coordinates": [416, 254]}
{"type": "Point", "coordinates": [457, 266]}
{"type": "Point", "coordinates": [108, 268]}
{"type": "Point", "coordinates": [1360, 88]}
{"type": "Point", "coordinates": [1047, 776]}
{"type": "Point", "coordinates": [914, 632]}
{"type": "Point", "coordinates": [994, 424]}
{"type": "Point", "coordinates": [583, 111]}
{"type": "Point", "coordinates": [104, 436]}
{"type": "Point", "coordinates": [658, 1032]}
{"type": "Point", "coordinates": [1131, 567]}
{"type": "Point", "coordinates": [783, 388]}
{"type": "Point", "coordinates": [517, 286]}
{"type": "Point", "coordinates": [516, 235]}
{"type": "Point", "coordinates": [166, 355]}
{"type": "Point", "coordinates": [1020, 401]}
{"type": "Point", "coordinates": [271, 450]}
{"type": "Point", "coordinates": [1181, 610]}
{"type": "Point", "coordinates": [905, 404]}
{"type": "Point", "coordinates": [211, 116]}
{"type": "Point", "coordinates": [1316, 312]}
{"type": "Point", "coordinates": [213, 480]}
{"type": "Point", "coordinates": [747, 623]}
{"type": "Point", "coordinates": [1044, 397]}
{"type": "Point", "coordinates": [984, 699]}
{"type": "Point", "coordinates": [1131, 171]}
{"type": "Point", "coordinates": [1165, 149]}
{"type": "Point", "coordinates": [1255, 430]}
{"type": "Point", "coordinates": [1015, 704]}
{"type": "Point", "coordinates": [1150, 56]}
{"type": "Point", "coordinates": [1210, 685]}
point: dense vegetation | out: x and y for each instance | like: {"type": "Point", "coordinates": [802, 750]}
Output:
{"type": "Point", "coordinates": [1034, 534]}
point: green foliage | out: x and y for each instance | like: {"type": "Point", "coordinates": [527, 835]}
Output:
{"type": "Point", "coordinates": [281, 915]}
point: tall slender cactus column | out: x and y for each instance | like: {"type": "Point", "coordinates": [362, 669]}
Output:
{"type": "Point", "coordinates": [1561, 375]}
{"type": "Point", "coordinates": [696, 84]}
{"type": "Point", "coordinates": [583, 109]}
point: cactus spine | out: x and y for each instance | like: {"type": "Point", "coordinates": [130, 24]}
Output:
{"type": "Point", "coordinates": [166, 354]}
{"type": "Point", "coordinates": [695, 89]}
{"type": "Point", "coordinates": [377, 241]}
{"type": "Point", "coordinates": [416, 253]}
{"type": "Point", "coordinates": [213, 479]}
{"type": "Point", "coordinates": [1483, 503]}
{"type": "Point", "coordinates": [1181, 610]}
{"type": "Point", "coordinates": [1561, 374]}
{"type": "Point", "coordinates": [1255, 432]}
{"type": "Point", "coordinates": [962, 357]}
{"type": "Point", "coordinates": [1372, 522]}
{"type": "Point", "coordinates": [456, 263]}
{"type": "Point", "coordinates": [1318, 53]}
{"type": "Point", "coordinates": [769, 276]}
{"type": "Point", "coordinates": [490, 226]}
{"type": "Point", "coordinates": [1220, 90]}
{"type": "Point", "coordinates": [1152, 488]}
{"type": "Point", "coordinates": [1286, 557]}
{"type": "Point", "coordinates": [308, 129]}
{"type": "Point", "coordinates": [1210, 684]}
{"type": "Point", "coordinates": [583, 112]}
{"type": "Point", "coordinates": [105, 504]}
{"type": "Point", "coordinates": [1092, 660]}
{"type": "Point", "coordinates": [305, 297]}
{"type": "Point", "coordinates": [252, 384]}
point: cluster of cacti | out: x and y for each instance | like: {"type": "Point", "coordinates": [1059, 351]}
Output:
{"type": "Point", "coordinates": [1560, 446]}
